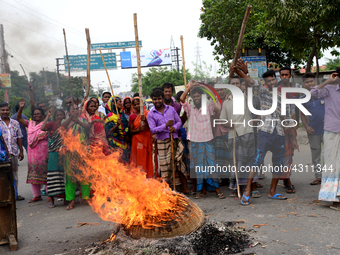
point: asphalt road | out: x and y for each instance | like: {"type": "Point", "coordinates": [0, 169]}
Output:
{"type": "Point", "coordinates": [298, 225]}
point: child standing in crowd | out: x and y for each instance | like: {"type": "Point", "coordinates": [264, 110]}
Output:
{"type": "Point", "coordinates": [127, 109]}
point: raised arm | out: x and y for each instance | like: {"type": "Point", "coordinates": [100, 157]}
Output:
{"type": "Point", "coordinates": [44, 125]}
{"type": "Point", "coordinates": [19, 115]}
{"type": "Point", "coordinates": [186, 92]}
{"type": "Point", "coordinates": [30, 88]}
{"type": "Point", "coordinates": [320, 90]}
{"type": "Point", "coordinates": [66, 123]}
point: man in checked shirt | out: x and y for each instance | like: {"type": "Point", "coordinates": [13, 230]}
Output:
{"type": "Point", "coordinates": [271, 136]}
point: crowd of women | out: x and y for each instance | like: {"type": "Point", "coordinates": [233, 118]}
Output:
{"type": "Point", "coordinates": [116, 125]}
{"type": "Point", "coordinates": [157, 139]}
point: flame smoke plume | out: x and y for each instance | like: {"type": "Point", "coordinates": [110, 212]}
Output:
{"type": "Point", "coordinates": [123, 194]}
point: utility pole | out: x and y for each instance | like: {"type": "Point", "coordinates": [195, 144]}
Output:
{"type": "Point", "coordinates": [58, 76]}
{"type": "Point", "coordinates": [2, 50]}
{"type": "Point", "coordinates": [175, 57]}
{"type": "Point", "coordinates": [198, 58]}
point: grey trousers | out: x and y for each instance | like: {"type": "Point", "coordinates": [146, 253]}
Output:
{"type": "Point", "coordinates": [14, 160]}
{"type": "Point", "coordinates": [316, 142]}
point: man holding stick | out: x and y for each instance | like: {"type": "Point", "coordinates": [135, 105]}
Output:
{"type": "Point", "coordinates": [163, 120]}
{"type": "Point", "coordinates": [222, 154]}
{"type": "Point", "coordinates": [271, 136]}
{"type": "Point", "coordinates": [201, 140]}
{"type": "Point", "coordinates": [243, 137]}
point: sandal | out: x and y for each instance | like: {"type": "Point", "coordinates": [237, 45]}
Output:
{"type": "Point", "coordinates": [255, 194]}
{"type": "Point", "coordinates": [337, 208]}
{"type": "Point", "coordinates": [221, 196]}
{"type": "Point", "coordinates": [316, 182]}
{"type": "Point", "coordinates": [19, 198]}
{"type": "Point", "coordinates": [247, 199]}
{"type": "Point", "coordinates": [190, 193]}
{"type": "Point", "coordinates": [35, 199]}
{"type": "Point", "coordinates": [70, 207]}
{"type": "Point", "coordinates": [290, 189]}
{"type": "Point", "coordinates": [278, 196]}
{"type": "Point", "coordinates": [50, 205]}
{"type": "Point", "coordinates": [200, 195]}
{"type": "Point", "coordinates": [233, 193]}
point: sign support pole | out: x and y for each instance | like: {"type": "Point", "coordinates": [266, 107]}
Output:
{"type": "Point", "coordinates": [68, 67]}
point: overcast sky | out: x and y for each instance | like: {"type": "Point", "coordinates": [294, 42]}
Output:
{"type": "Point", "coordinates": [33, 31]}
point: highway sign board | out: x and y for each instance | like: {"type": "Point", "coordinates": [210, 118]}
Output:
{"type": "Point", "coordinates": [115, 45]}
{"type": "Point", "coordinates": [79, 62]}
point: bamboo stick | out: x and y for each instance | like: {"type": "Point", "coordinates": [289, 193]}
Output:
{"type": "Point", "coordinates": [183, 61]}
{"type": "Point", "coordinates": [235, 165]}
{"type": "Point", "coordinates": [173, 162]}
{"type": "Point", "coordinates": [68, 67]}
{"type": "Point", "coordinates": [240, 38]}
{"type": "Point", "coordinates": [88, 39]}
{"type": "Point", "coordinates": [139, 72]}
{"type": "Point", "coordinates": [108, 77]}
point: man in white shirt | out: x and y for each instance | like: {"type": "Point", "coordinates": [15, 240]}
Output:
{"type": "Point", "coordinates": [105, 97]}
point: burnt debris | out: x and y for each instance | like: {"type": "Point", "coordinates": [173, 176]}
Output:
{"type": "Point", "coordinates": [213, 238]}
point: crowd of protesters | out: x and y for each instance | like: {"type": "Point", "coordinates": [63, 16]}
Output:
{"type": "Point", "coordinates": [178, 139]}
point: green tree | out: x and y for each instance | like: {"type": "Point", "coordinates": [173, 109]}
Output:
{"type": "Point", "coordinates": [203, 72]}
{"type": "Point", "coordinates": [332, 64]}
{"type": "Point", "coordinates": [291, 31]}
{"type": "Point", "coordinates": [156, 77]}
{"type": "Point", "coordinates": [302, 26]}
{"type": "Point", "coordinates": [77, 87]}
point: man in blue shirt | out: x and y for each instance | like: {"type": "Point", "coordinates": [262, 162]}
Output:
{"type": "Point", "coordinates": [23, 129]}
{"type": "Point", "coordinates": [314, 126]}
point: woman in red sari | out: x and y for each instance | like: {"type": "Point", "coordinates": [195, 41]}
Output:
{"type": "Point", "coordinates": [141, 147]}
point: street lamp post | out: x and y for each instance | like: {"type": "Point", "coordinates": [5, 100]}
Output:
{"type": "Point", "coordinates": [99, 83]}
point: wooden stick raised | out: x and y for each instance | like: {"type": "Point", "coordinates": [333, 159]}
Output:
{"type": "Point", "coordinates": [108, 77]}
{"type": "Point", "coordinates": [88, 39]}
{"type": "Point", "coordinates": [139, 72]}
{"type": "Point", "coordinates": [68, 67]}
{"type": "Point", "coordinates": [173, 162]}
{"type": "Point", "coordinates": [183, 61]}
{"type": "Point", "coordinates": [240, 38]}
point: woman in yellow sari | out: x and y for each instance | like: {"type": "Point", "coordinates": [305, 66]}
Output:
{"type": "Point", "coordinates": [141, 147]}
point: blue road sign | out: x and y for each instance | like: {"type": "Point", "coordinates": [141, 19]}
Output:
{"type": "Point", "coordinates": [79, 62]}
{"type": "Point", "coordinates": [115, 45]}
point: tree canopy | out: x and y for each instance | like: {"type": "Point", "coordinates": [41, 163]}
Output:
{"type": "Point", "coordinates": [19, 88]}
{"type": "Point", "coordinates": [157, 76]}
{"type": "Point", "coordinates": [291, 31]}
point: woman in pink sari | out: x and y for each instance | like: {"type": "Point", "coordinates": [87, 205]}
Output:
{"type": "Point", "coordinates": [37, 151]}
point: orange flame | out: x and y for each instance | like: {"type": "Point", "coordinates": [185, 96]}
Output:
{"type": "Point", "coordinates": [110, 239]}
{"type": "Point", "coordinates": [123, 194]}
